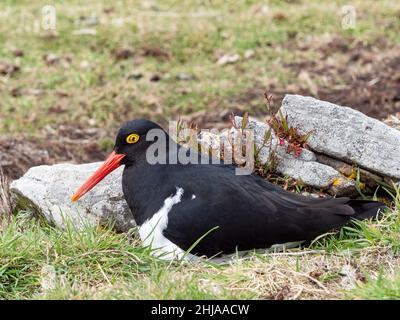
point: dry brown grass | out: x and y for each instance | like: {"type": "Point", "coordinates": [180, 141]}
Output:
{"type": "Point", "coordinates": [293, 275]}
{"type": "Point", "coordinates": [5, 200]}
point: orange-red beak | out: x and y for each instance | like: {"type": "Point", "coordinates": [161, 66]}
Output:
{"type": "Point", "coordinates": [112, 163]}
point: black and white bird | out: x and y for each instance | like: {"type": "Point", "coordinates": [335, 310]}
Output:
{"type": "Point", "coordinates": [175, 205]}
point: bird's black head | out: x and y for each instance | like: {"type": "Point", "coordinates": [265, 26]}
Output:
{"type": "Point", "coordinates": [130, 146]}
{"type": "Point", "coordinates": [131, 139]}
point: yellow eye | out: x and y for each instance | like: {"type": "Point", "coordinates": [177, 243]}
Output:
{"type": "Point", "coordinates": [132, 138]}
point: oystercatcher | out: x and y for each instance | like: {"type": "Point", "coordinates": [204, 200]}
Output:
{"type": "Point", "coordinates": [209, 209]}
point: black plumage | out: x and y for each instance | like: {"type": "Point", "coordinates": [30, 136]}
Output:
{"type": "Point", "coordinates": [248, 211]}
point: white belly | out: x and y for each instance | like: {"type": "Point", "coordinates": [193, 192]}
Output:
{"type": "Point", "coordinates": [151, 231]}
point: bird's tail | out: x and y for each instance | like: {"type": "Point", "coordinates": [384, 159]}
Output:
{"type": "Point", "coordinates": [365, 209]}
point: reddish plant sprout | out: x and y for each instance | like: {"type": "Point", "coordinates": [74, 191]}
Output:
{"type": "Point", "coordinates": [284, 132]}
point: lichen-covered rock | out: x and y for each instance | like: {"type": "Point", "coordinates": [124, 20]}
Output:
{"type": "Point", "coordinates": [304, 166]}
{"type": "Point", "coordinates": [346, 134]}
{"type": "Point", "coordinates": [370, 179]}
{"type": "Point", "coordinates": [48, 189]}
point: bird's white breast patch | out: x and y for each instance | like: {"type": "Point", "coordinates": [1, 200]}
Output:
{"type": "Point", "coordinates": [151, 231]}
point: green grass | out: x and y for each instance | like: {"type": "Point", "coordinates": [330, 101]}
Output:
{"type": "Point", "coordinates": [38, 261]}
{"type": "Point", "coordinates": [273, 30]}
{"type": "Point", "coordinates": [365, 234]}
{"type": "Point", "coordinates": [378, 289]}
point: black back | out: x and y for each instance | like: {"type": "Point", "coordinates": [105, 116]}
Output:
{"type": "Point", "coordinates": [248, 211]}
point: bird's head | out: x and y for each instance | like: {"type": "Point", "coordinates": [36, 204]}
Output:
{"type": "Point", "coordinates": [129, 145]}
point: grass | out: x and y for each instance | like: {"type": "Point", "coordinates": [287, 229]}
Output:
{"type": "Point", "coordinates": [380, 288]}
{"type": "Point", "coordinates": [88, 86]}
{"type": "Point", "coordinates": [38, 261]}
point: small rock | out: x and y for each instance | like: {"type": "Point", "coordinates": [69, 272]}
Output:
{"type": "Point", "coordinates": [311, 173]}
{"type": "Point", "coordinates": [47, 191]}
{"type": "Point", "coordinates": [342, 186]}
{"type": "Point", "coordinates": [228, 59]}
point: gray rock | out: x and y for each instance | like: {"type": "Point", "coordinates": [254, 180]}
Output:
{"type": "Point", "coordinates": [370, 179]}
{"type": "Point", "coordinates": [304, 167]}
{"type": "Point", "coordinates": [47, 190]}
{"type": "Point", "coordinates": [310, 172]}
{"type": "Point", "coordinates": [345, 134]}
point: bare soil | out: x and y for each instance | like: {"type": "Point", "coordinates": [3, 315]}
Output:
{"type": "Point", "coordinates": [66, 144]}
{"type": "Point", "coordinates": [368, 78]}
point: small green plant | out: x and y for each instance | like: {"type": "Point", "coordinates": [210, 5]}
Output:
{"type": "Point", "coordinates": [269, 167]}
{"type": "Point", "coordinates": [284, 132]}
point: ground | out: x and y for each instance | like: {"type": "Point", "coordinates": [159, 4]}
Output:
{"type": "Point", "coordinates": [65, 93]}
